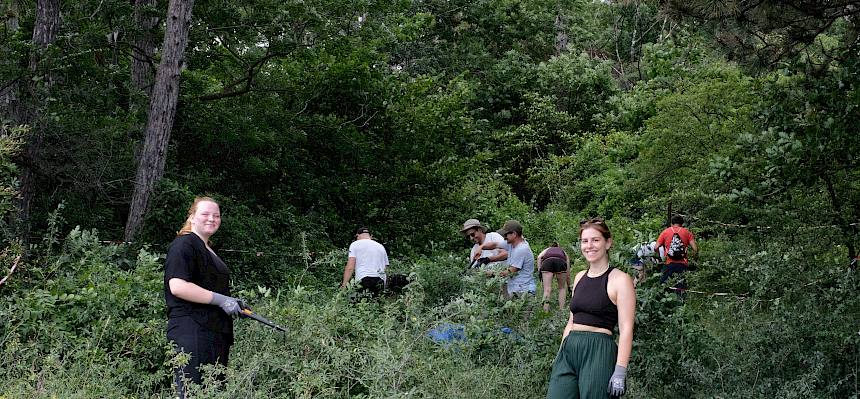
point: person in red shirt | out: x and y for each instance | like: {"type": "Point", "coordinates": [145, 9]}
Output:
{"type": "Point", "coordinates": [676, 263]}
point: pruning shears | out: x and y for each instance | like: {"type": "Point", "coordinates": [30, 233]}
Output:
{"type": "Point", "coordinates": [471, 265]}
{"type": "Point", "coordinates": [247, 312]}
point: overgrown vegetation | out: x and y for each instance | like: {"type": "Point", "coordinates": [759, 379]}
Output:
{"type": "Point", "coordinates": [307, 118]}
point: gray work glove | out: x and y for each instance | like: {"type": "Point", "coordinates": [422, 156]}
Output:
{"type": "Point", "coordinates": [228, 304]}
{"type": "Point", "coordinates": [616, 382]}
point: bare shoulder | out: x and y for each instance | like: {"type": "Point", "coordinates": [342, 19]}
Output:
{"type": "Point", "coordinates": [619, 278]}
{"type": "Point", "coordinates": [620, 287]}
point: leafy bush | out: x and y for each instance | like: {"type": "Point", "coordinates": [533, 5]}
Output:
{"type": "Point", "coordinates": [85, 322]}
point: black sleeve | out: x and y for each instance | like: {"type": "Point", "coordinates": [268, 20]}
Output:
{"type": "Point", "coordinates": [179, 262]}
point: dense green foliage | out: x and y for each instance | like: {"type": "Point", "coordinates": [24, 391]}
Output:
{"type": "Point", "coordinates": [307, 118]}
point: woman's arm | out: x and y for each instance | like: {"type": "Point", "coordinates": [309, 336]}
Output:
{"type": "Point", "coordinates": [189, 291]}
{"type": "Point", "coordinates": [625, 300]}
{"type": "Point", "coordinates": [540, 258]}
{"type": "Point", "coordinates": [568, 328]}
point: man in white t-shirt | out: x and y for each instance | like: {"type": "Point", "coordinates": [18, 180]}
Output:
{"type": "Point", "coordinates": [477, 232]}
{"type": "Point", "coordinates": [368, 260]}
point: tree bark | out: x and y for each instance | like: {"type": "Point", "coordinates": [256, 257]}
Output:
{"type": "Point", "coordinates": [11, 16]}
{"type": "Point", "coordinates": [45, 30]}
{"type": "Point", "coordinates": [9, 91]}
{"type": "Point", "coordinates": [161, 114]}
{"type": "Point", "coordinates": [144, 46]}
{"type": "Point", "coordinates": [561, 37]}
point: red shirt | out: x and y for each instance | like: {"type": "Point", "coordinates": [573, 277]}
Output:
{"type": "Point", "coordinates": [666, 238]}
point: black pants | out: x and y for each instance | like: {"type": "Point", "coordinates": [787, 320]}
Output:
{"type": "Point", "coordinates": [373, 285]}
{"type": "Point", "coordinates": [204, 345]}
{"type": "Point", "coordinates": [670, 270]}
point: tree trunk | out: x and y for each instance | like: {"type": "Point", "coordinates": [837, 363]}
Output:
{"type": "Point", "coordinates": [561, 38]}
{"type": "Point", "coordinates": [144, 45]}
{"type": "Point", "coordinates": [9, 92]}
{"type": "Point", "coordinates": [45, 30]}
{"type": "Point", "coordinates": [162, 112]}
{"type": "Point", "coordinates": [11, 16]}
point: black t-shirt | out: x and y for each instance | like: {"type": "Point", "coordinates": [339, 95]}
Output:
{"type": "Point", "coordinates": [189, 259]}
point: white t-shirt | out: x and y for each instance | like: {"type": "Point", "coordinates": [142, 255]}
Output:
{"type": "Point", "coordinates": [371, 259]}
{"type": "Point", "coordinates": [490, 237]}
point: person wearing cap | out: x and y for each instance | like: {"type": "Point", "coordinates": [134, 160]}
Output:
{"type": "Point", "coordinates": [521, 260]}
{"type": "Point", "coordinates": [477, 232]}
{"type": "Point", "coordinates": [368, 260]}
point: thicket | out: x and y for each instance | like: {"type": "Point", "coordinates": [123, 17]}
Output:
{"type": "Point", "coordinates": [411, 117]}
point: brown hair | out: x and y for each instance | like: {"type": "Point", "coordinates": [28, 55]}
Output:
{"type": "Point", "coordinates": [597, 224]}
{"type": "Point", "coordinates": [186, 228]}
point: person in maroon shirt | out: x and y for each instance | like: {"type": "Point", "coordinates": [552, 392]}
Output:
{"type": "Point", "coordinates": [553, 262]}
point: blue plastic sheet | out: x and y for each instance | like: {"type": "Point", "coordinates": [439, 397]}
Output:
{"type": "Point", "coordinates": [447, 333]}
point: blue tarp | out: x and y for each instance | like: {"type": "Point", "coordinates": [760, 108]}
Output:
{"type": "Point", "coordinates": [447, 333]}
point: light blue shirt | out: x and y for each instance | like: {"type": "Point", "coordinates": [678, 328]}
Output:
{"type": "Point", "coordinates": [522, 258]}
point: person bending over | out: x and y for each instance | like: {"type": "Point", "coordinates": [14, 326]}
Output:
{"type": "Point", "coordinates": [554, 263]}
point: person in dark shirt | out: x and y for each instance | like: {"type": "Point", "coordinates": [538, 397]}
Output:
{"type": "Point", "coordinates": [589, 364]}
{"type": "Point", "coordinates": [197, 292]}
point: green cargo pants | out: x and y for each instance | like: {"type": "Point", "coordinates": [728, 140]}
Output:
{"type": "Point", "coordinates": [583, 366]}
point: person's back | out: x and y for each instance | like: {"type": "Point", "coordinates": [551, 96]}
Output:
{"type": "Point", "coordinates": [370, 258]}
{"type": "Point", "coordinates": [676, 253]}
{"type": "Point", "coordinates": [665, 242]}
{"type": "Point", "coordinates": [554, 263]}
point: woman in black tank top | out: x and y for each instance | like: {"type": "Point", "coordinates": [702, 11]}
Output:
{"type": "Point", "coordinates": [589, 363]}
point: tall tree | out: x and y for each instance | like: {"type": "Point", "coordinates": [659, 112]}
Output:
{"type": "Point", "coordinates": [161, 114]}
{"type": "Point", "coordinates": [768, 31]}
{"type": "Point", "coordinates": [144, 44]}
{"type": "Point", "coordinates": [26, 112]}
{"type": "Point", "coordinates": [8, 90]}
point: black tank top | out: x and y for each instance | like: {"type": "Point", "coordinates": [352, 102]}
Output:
{"type": "Point", "coordinates": [590, 304]}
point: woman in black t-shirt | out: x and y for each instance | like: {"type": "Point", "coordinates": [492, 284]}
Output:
{"type": "Point", "coordinates": [197, 292]}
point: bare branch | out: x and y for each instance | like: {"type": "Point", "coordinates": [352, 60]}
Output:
{"type": "Point", "coordinates": [12, 270]}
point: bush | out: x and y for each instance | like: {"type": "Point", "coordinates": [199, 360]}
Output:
{"type": "Point", "coordinates": [87, 320]}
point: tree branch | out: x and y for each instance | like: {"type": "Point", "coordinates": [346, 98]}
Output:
{"type": "Point", "coordinates": [12, 270]}
{"type": "Point", "coordinates": [248, 80]}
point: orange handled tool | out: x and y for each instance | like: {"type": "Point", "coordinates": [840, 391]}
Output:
{"type": "Point", "coordinates": [246, 311]}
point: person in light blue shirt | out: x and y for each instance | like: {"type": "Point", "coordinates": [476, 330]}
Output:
{"type": "Point", "coordinates": [521, 260]}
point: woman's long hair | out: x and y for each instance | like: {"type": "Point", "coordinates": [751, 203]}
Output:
{"type": "Point", "coordinates": [186, 228]}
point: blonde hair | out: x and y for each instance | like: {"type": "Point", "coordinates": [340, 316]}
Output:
{"type": "Point", "coordinates": [186, 228]}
